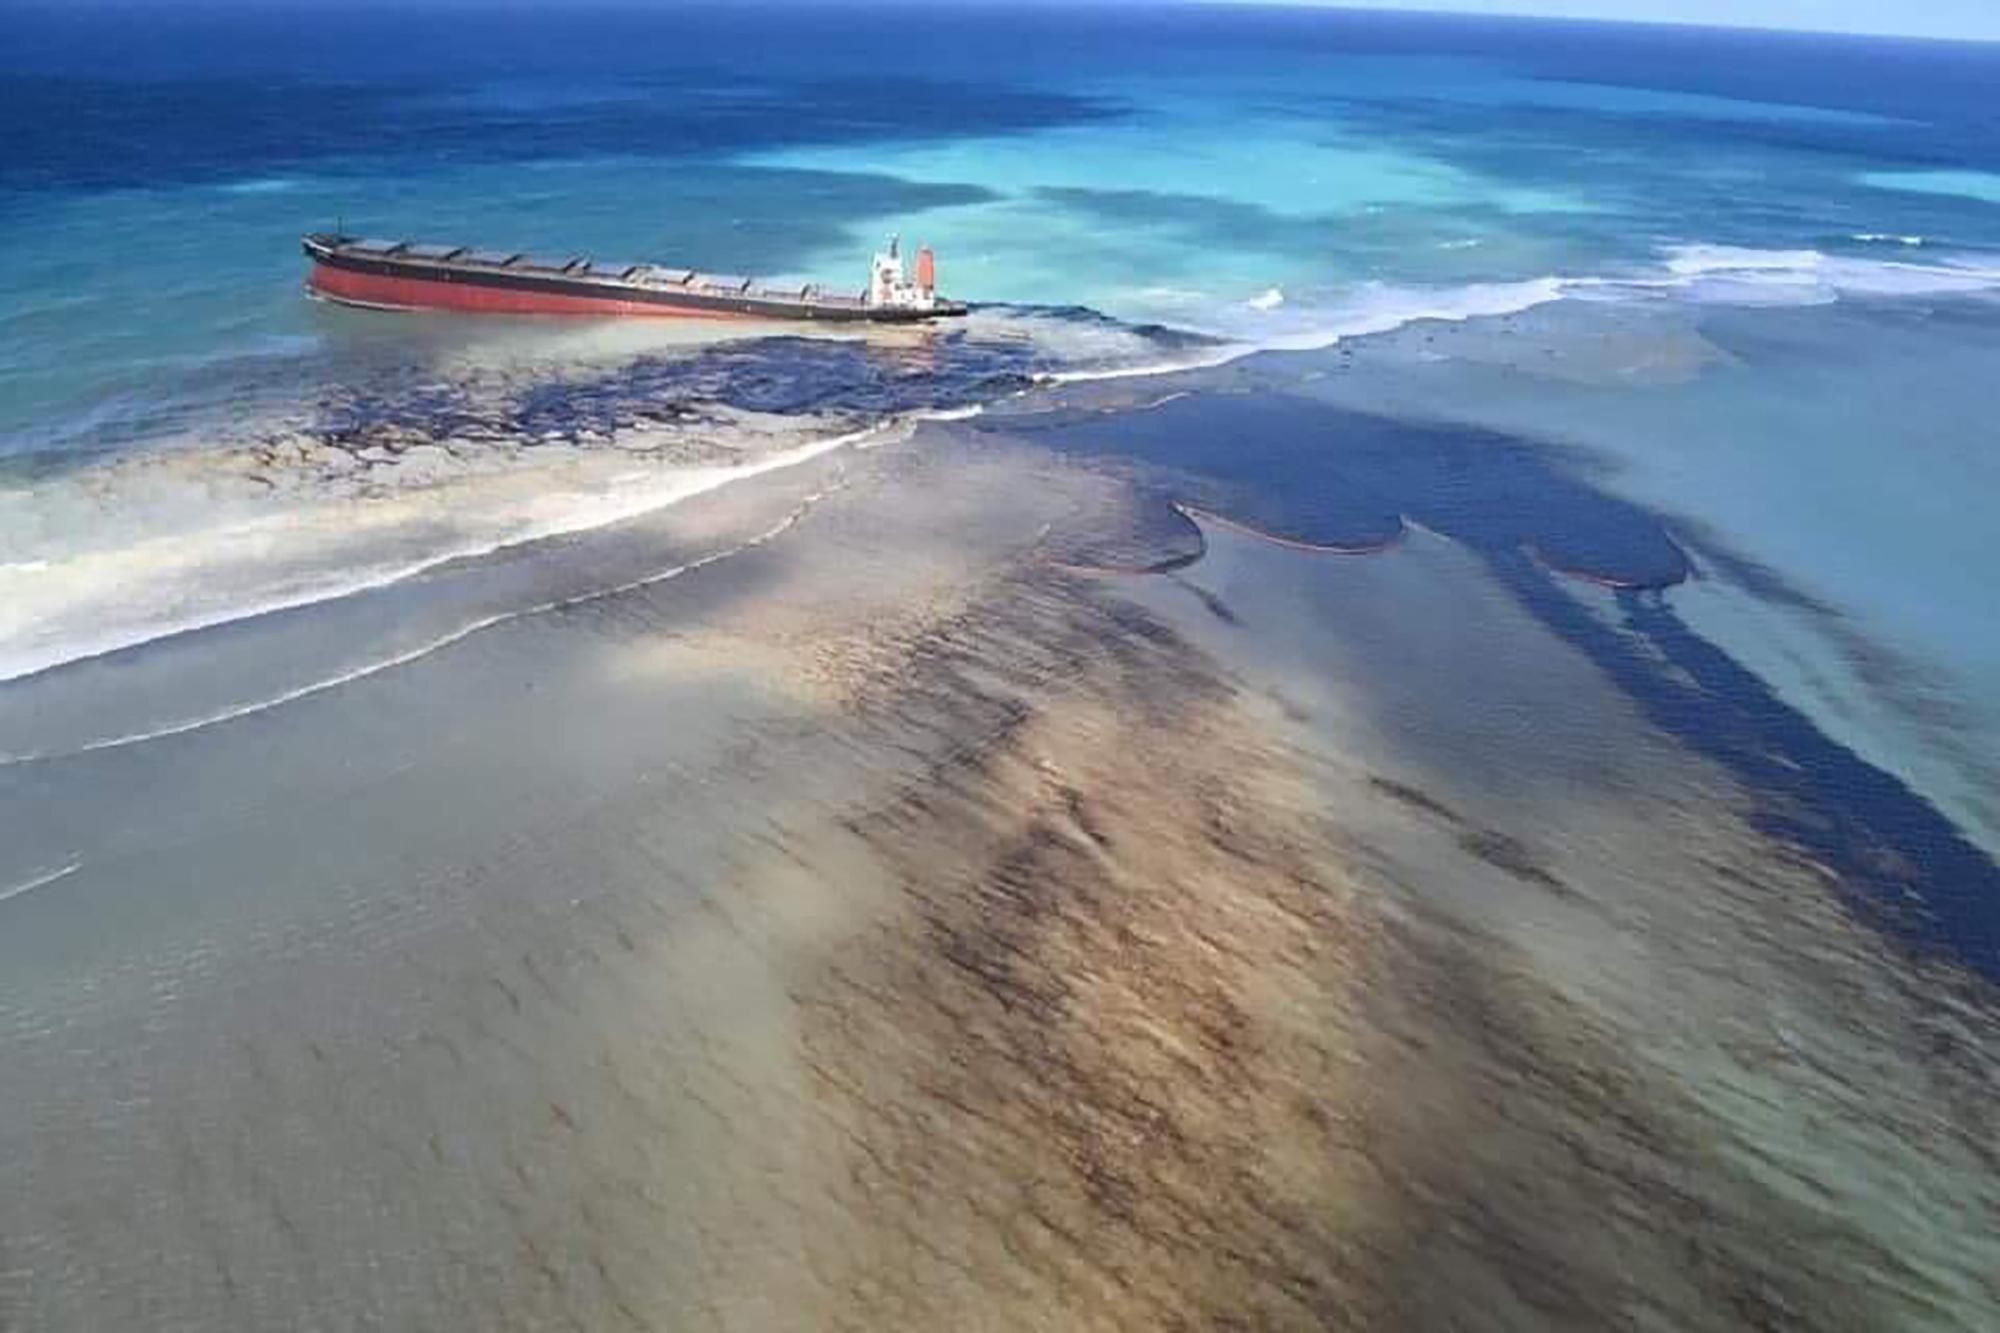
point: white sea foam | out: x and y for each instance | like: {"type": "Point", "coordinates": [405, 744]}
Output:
{"type": "Point", "coordinates": [899, 428]}
{"type": "Point", "coordinates": [1694, 261]}
{"type": "Point", "coordinates": [1371, 309]}
{"type": "Point", "coordinates": [1705, 274]}
{"type": "Point", "coordinates": [965, 413]}
{"type": "Point", "coordinates": [391, 662]}
{"type": "Point", "coordinates": [56, 609]}
{"type": "Point", "coordinates": [108, 601]}
{"type": "Point", "coordinates": [1381, 308]}
{"type": "Point", "coordinates": [1197, 359]}
{"type": "Point", "coordinates": [39, 881]}
{"type": "Point", "coordinates": [1733, 275]}
{"type": "Point", "coordinates": [1306, 326]}
{"type": "Point", "coordinates": [1885, 238]}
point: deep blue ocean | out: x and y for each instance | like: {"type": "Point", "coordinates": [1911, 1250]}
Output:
{"type": "Point", "coordinates": [1807, 227]}
{"type": "Point", "coordinates": [1171, 163]}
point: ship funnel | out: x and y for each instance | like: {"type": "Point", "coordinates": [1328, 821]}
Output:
{"type": "Point", "coordinates": [926, 269]}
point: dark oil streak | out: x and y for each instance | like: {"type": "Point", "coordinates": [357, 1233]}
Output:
{"type": "Point", "coordinates": [1331, 476]}
{"type": "Point", "coordinates": [1903, 866]}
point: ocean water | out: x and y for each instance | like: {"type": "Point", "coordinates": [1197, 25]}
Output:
{"type": "Point", "coordinates": [1580, 434]}
{"type": "Point", "coordinates": [1363, 168]}
{"type": "Point", "coordinates": [1803, 226]}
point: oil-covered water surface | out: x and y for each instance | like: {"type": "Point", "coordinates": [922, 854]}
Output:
{"type": "Point", "coordinates": [890, 916]}
{"type": "Point", "coordinates": [1395, 732]}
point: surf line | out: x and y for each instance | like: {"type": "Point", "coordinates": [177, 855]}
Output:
{"type": "Point", "coordinates": [421, 651]}
{"type": "Point", "coordinates": [893, 429]}
{"type": "Point", "coordinates": [40, 881]}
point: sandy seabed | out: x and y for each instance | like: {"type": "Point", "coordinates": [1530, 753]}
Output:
{"type": "Point", "coordinates": [889, 927]}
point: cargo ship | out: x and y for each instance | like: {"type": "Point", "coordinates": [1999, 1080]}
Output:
{"type": "Point", "coordinates": [402, 275]}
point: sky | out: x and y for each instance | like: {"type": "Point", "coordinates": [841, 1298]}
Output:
{"type": "Point", "coordinates": [1976, 19]}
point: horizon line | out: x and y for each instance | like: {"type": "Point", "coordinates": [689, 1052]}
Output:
{"type": "Point", "coordinates": [1444, 11]}
{"type": "Point", "coordinates": [1378, 8]}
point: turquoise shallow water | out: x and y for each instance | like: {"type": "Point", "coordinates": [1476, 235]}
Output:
{"type": "Point", "coordinates": [1256, 173]}
{"type": "Point", "coordinates": [1981, 186]}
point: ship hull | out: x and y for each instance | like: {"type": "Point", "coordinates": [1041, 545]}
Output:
{"type": "Point", "coordinates": [387, 281]}
{"type": "Point", "coordinates": [382, 291]}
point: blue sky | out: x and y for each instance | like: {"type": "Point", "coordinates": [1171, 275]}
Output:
{"type": "Point", "coordinates": [1914, 18]}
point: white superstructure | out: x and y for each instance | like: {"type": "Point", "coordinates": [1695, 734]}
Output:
{"type": "Point", "coordinates": [889, 286]}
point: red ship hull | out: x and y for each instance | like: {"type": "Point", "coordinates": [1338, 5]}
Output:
{"type": "Point", "coordinates": [399, 293]}
{"type": "Point", "coordinates": [402, 276]}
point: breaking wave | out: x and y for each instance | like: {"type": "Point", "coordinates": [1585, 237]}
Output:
{"type": "Point", "coordinates": [389, 476]}
{"type": "Point", "coordinates": [792, 398]}
{"type": "Point", "coordinates": [40, 881]}
{"type": "Point", "coordinates": [1734, 275]}
{"type": "Point", "coordinates": [1703, 274]}
{"type": "Point", "coordinates": [390, 662]}
{"type": "Point", "coordinates": [33, 652]}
